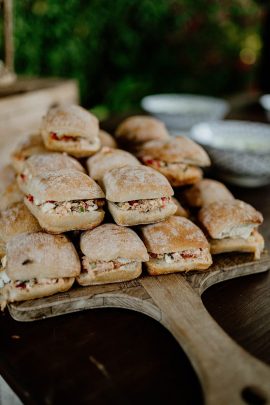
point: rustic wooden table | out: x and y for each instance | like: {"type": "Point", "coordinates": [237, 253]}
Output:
{"type": "Point", "coordinates": [120, 357]}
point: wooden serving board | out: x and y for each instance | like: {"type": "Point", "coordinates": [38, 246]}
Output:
{"type": "Point", "coordinates": [228, 374]}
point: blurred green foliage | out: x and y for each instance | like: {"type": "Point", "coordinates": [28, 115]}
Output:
{"type": "Point", "coordinates": [121, 50]}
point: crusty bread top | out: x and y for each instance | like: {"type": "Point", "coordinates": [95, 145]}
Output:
{"type": "Point", "coordinates": [70, 120]}
{"type": "Point", "coordinates": [41, 255]}
{"type": "Point", "coordinates": [176, 149]}
{"type": "Point", "coordinates": [51, 162]}
{"type": "Point", "coordinates": [7, 176]}
{"type": "Point", "coordinates": [135, 183]}
{"type": "Point", "coordinates": [110, 241]}
{"type": "Point", "coordinates": [64, 185]}
{"type": "Point", "coordinates": [173, 235]}
{"type": "Point", "coordinates": [15, 220]}
{"type": "Point", "coordinates": [33, 144]}
{"type": "Point", "coordinates": [220, 217]}
{"type": "Point", "coordinates": [207, 191]}
{"type": "Point", "coordinates": [139, 129]}
{"type": "Point", "coordinates": [108, 159]}
{"type": "Point", "coordinates": [107, 139]}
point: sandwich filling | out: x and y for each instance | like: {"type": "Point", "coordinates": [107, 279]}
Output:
{"type": "Point", "coordinates": [103, 266]}
{"type": "Point", "coordinates": [181, 256]}
{"type": "Point", "coordinates": [67, 207]}
{"type": "Point", "coordinates": [241, 231]}
{"type": "Point", "coordinates": [159, 164]}
{"type": "Point", "coordinates": [78, 140]}
{"type": "Point", "coordinates": [144, 205]}
{"type": "Point", "coordinates": [22, 284]}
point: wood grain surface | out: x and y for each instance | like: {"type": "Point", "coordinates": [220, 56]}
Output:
{"type": "Point", "coordinates": [118, 356]}
{"type": "Point", "coordinates": [174, 300]}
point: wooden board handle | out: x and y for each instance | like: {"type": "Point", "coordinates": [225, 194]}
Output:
{"type": "Point", "coordinates": [228, 374]}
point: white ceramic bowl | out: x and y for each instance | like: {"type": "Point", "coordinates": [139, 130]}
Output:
{"type": "Point", "coordinates": [181, 111]}
{"type": "Point", "coordinates": [265, 103]}
{"type": "Point", "coordinates": [239, 150]}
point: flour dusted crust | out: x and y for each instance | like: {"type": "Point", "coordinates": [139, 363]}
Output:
{"type": "Point", "coordinates": [41, 255]}
{"type": "Point", "coordinates": [173, 235]}
{"type": "Point", "coordinates": [55, 223]}
{"type": "Point", "coordinates": [107, 139]}
{"type": "Point", "coordinates": [139, 129]}
{"type": "Point", "coordinates": [109, 242]}
{"type": "Point", "coordinates": [72, 121]}
{"type": "Point", "coordinates": [39, 164]}
{"type": "Point", "coordinates": [125, 273]}
{"type": "Point", "coordinates": [15, 220]}
{"type": "Point", "coordinates": [32, 145]}
{"type": "Point", "coordinates": [12, 294]}
{"type": "Point", "coordinates": [254, 244]}
{"type": "Point", "coordinates": [229, 218]}
{"type": "Point", "coordinates": [51, 161]}
{"type": "Point", "coordinates": [181, 211]}
{"type": "Point", "coordinates": [135, 182]}
{"type": "Point", "coordinates": [206, 192]}
{"type": "Point", "coordinates": [108, 159]}
{"type": "Point", "coordinates": [176, 149]}
{"type": "Point", "coordinates": [133, 217]}
{"type": "Point", "coordinates": [11, 195]}
{"type": "Point", "coordinates": [64, 185]}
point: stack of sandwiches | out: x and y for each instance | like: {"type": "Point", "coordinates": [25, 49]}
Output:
{"type": "Point", "coordinates": [47, 195]}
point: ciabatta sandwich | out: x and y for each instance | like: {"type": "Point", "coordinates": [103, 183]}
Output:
{"type": "Point", "coordinates": [178, 158]}
{"type": "Point", "coordinates": [175, 245]}
{"type": "Point", "coordinates": [232, 227]}
{"type": "Point", "coordinates": [111, 254]}
{"type": "Point", "coordinates": [138, 195]}
{"type": "Point", "coordinates": [207, 191]}
{"type": "Point", "coordinates": [65, 200]}
{"type": "Point", "coordinates": [37, 265]}
{"type": "Point", "coordinates": [71, 129]}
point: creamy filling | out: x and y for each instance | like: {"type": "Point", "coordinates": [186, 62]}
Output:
{"type": "Point", "coordinates": [144, 205]}
{"type": "Point", "coordinates": [27, 284]}
{"type": "Point", "coordinates": [103, 266]}
{"type": "Point", "coordinates": [156, 163]}
{"type": "Point", "coordinates": [79, 140]}
{"type": "Point", "coordinates": [177, 256]}
{"type": "Point", "coordinates": [240, 231]}
{"type": "Point", "coordinates": [24, 284]}
{"type": "Point", "coordinates": [67, 207]}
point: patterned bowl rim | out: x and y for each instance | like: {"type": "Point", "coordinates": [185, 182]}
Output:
{"type": "Point", "coordinates": [194, 134]}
